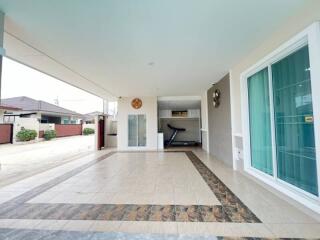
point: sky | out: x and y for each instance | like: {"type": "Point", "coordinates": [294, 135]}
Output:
{"type": "Point", "coordinates": [20, 80]}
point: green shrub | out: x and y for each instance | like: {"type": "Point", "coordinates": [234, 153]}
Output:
{"type": "Point", "coordinates": [88, 131]}
{"type": "Point", "coordinates": [25, 135]}
{"type": "Point", "coordinates": [49, 134]}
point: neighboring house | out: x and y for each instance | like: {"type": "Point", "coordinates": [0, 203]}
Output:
{"type": "Point", "coordinates": [89, 117]}
{"type": "Point", "coordinates": [26, 107]}
{"type": "Point", "coordinates": [4, 109]}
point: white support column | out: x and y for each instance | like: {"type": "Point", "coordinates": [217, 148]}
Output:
{"type": "Point", "coordinates": [96, 133]}
{"type": "Point", "coordinates": [105, 106]}
{"type": "Point", "coordinates": [2, 51]}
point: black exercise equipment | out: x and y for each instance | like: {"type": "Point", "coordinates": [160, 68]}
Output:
{"type": "Point", "coordinates": [172, 142]}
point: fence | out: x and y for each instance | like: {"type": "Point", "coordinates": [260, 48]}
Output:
{"type": "Point", "coordinates": [6, 133]}
{"type": "Point", "coordinates": [64, 130]}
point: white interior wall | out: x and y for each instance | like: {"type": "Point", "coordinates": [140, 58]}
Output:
{"type": "Point", "coordinates": [149, 107]}
{"type": "Point", "coordinates": [295, 24]}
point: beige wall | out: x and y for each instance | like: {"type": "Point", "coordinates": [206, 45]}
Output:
{"type": "Point", "coordinates": [149, 107]}
{"type": "Point", "coordinates": [219, 123]}
{"type": "Point", "coordinates": [292, 26]}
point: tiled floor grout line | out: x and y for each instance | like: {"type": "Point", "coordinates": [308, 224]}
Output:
{"type": "Point", "coordinates": [232, 209]}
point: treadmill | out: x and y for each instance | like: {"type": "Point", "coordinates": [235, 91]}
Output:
{"type": "Point", "coordinates": [171, 142]}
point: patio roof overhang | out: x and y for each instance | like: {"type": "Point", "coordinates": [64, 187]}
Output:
{"type": "Point", "coordinates": [155, 48]}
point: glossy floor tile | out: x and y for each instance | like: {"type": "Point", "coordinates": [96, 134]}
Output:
{"type": "Point", "coordinates": [173, 194]}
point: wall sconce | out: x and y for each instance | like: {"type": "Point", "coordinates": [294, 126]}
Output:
{"type": "Point", "coordinates": [216, 98]}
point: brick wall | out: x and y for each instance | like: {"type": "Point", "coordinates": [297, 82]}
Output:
{"type": "Point", "coordinates": [5, 133]}
{"type": "Point", "coordinates": [64, 130]}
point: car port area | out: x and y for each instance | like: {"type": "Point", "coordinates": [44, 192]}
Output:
{"type": "Point", "coordinates": [22, 160]}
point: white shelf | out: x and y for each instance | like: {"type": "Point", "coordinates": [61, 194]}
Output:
{"type": "Point", "coordinates": [179, 118]}
{"type": "Point", "coordinates": [192, 113]}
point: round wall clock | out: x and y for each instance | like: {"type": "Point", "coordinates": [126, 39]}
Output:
{"type": "Point", "coordinates": [136, 103]}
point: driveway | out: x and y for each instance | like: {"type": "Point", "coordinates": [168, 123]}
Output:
{"type": "Point", "coordinates": [19, 161]}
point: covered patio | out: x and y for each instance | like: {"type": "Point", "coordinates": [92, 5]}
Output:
{"type": "Point", "coordinates": [215, 131]}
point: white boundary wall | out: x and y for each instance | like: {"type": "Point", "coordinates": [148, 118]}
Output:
{"type": "Point", "coordinates": [27, 123]}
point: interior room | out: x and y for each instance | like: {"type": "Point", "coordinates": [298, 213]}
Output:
{"type": "Point", "coordinates": [179, 122]}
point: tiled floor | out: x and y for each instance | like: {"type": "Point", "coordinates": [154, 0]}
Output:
{"type": "Point", "coordinates": [148, 192]}
{"type": "Point", "coordinates": [133, 178]}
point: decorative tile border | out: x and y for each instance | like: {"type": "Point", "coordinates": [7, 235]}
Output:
{"type": "Point", "coordinates": [236, 210]}
{"type": "Point", "coordinates": [117, 212]}
{"type": "Point", "coordinates": [230, 210]}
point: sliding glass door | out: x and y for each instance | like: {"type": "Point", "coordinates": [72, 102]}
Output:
{"type": "Point", "coordinates": [294, 130]}
{"type": "Point", "coordinates": [259, 117]}
{"type": "Point", "coordinates": [288, 81]}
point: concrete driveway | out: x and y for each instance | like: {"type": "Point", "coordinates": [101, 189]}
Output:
{"type": "Point", "coordinates": [23, 160]}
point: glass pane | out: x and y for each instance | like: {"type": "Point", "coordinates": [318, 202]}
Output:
{"type": "Point", "coordinates": [295, 142]}
{"type": "Point", "coordinates": [260, 126]}
{"type": "Point", "coordinates": [132, 131]}
{"type": "Point", "coordinates": [137, 130]}
{"type": "Point", "coordinates": [142, 139]}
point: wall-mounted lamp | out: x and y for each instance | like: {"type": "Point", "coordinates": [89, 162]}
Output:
{"type": "Point", "coordinates": [216, 98]}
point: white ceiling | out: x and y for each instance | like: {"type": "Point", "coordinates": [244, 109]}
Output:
{"type": "Point", "coordinates": [139, 47]}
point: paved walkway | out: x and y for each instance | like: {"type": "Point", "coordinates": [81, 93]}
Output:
{"type": "Point", "coordinates": [19, 161]}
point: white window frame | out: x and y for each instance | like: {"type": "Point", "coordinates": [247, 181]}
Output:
{"type": "Point", "coordinates": [137, 125]}
{"type": "Point", "coordinates": [310, 36]}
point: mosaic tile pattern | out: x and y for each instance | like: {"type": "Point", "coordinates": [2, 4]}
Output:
{"type": "Point", "coordinates": [230, 210]}
{"type": "Point", "coordinates": [117, 212]}
{"type": "Point", "coordinates": [29, 234]}
{"type": "Point", "coordinates": [236, 210]}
